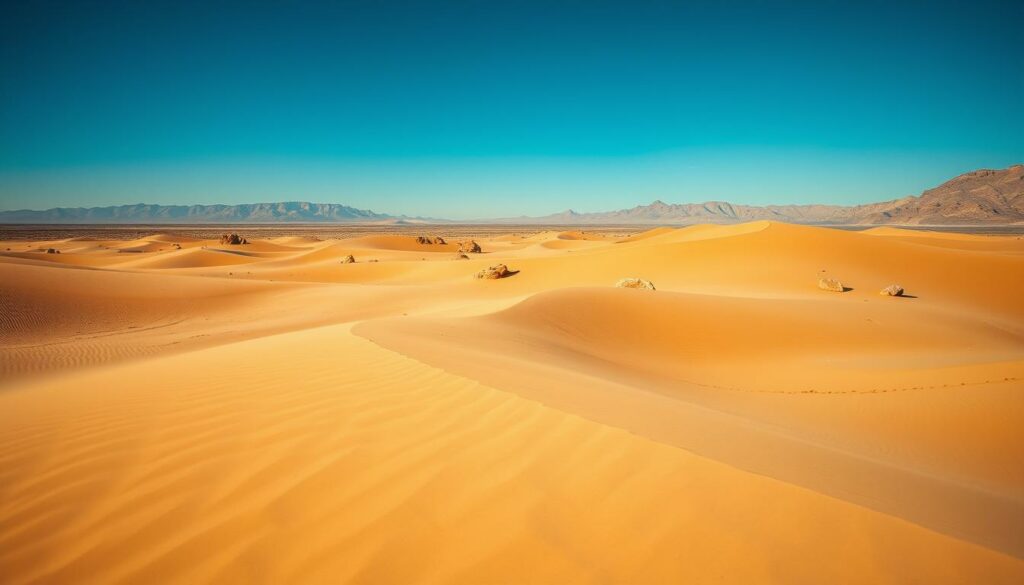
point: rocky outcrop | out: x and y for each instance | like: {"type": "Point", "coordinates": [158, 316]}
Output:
{"type": "Point", "coordinates": [893, 290]}
{"type": "Point", "coordinates": [350, 259]}
{"type": "Point", "coordinates": [635, 283]}
{"type": "Point", "coordinates": [470, 247]}
{"type": "Point", "coordinates": [233, 240]}
{"type": "Point", "coordinates": [430, 240]}
{"type": "Point", "coordinates": [830, 284]}
{"type": "Point", "coordinates": [461, 256]}
{"type": "Point", "coordinates": [494, 272]}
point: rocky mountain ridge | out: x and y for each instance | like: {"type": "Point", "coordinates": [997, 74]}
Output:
{"type": "Point", "coordinates": [982, 197]}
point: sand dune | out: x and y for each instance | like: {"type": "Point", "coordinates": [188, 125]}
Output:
{"type": "Point", "coordinates": [187, 411]}
{"type": "Point", "coordinates": [695, 353]}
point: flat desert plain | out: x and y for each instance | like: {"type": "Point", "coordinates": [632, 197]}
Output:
{"type": "Point", "coordinates": [175, 409]}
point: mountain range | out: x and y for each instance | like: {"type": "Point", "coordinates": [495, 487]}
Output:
{"type": "Point", "coordinates": [976, 198]}
{"type": "Point", "coordinates": [142, 213]}
{"type": "Point", "coordinates": [981, 197]}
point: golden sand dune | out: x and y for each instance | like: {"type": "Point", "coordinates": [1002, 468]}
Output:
{"type": "Point", "coordinates": [818, 345]}
{"type": "Point", "coordinates": [951, 240]}
{"type": "Point", "coordinates": [677, 368]}
{"type": "Point", "coordinates": [172, 238]}
{"type": "Point", "coordinates": [197, 412]}
{"type": "Point", "coordinates": [570, 244]}
{"type": "Point", "coordinates": [194, 258]}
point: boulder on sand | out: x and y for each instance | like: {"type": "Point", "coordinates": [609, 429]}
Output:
{"type": "Point", "coordinates": [52, 251]}
{"type": "Point", "coordinates": [461, 256]}
{"type": "Point", "coordinates": [493, 272]}
{"type": "Point", "coordinates": [635, 283]}
{"type": "Point", "coordinates": [830, 284]}
{"type": "Point", "coordinates": [470, 247]}
{"type": "Point", "coordinates": [430, 240]}
{"type": "Point", "coordinates": [893, 290]}
{"type": "Point", "coordinates": [233, 240]}
{"type": "Point", "coordinates": [350, 259]}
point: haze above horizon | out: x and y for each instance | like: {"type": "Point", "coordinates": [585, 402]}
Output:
{"type": "Point", "coordinates": [471, 109]}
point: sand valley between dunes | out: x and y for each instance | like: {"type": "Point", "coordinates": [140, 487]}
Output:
{"type": "Point", "coordinates": [177, 409]}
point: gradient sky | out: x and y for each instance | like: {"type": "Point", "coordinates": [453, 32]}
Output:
{"type": "Point", "coordinates": [483, 109]}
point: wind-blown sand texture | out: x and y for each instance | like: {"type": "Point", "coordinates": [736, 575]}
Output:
{"type": "Point", "coordinates": [177, 410]}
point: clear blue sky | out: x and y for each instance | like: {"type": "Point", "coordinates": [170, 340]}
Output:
{"type": "Point", "coordinates": [474, 109]}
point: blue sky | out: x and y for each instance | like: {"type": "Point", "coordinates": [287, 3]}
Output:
{"type": "Point", "coordinates": [479, 109]}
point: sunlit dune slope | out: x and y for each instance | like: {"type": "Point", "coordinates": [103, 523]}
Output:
{"type": "Point", "coordinates": [796, 345]}
{"type": "Point", "coordinates": [257, 462]}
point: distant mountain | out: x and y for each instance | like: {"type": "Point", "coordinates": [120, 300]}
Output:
{"type": "Point", "coordinates": [976, 198]}
{"type": "Point", "coordinates": [979, 197]}
{"type": "Point", "coordinates": [248, 213]}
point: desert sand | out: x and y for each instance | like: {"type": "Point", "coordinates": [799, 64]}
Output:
{"type": "Point", "coordinates": [174, 409]}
